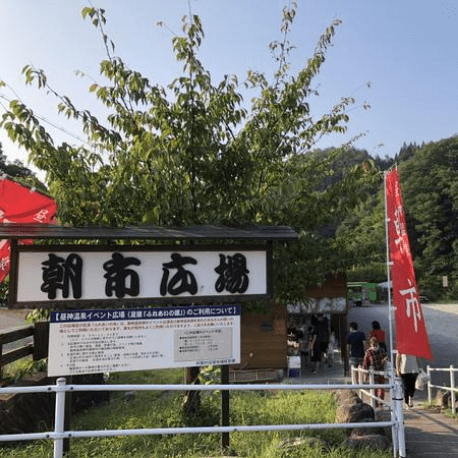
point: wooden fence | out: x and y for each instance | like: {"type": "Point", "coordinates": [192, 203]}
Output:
{"type": "Point", "coordinates": [37, 346]}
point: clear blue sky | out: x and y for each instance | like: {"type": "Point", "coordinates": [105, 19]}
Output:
{"type": "Point", "coordinates": [407, 49]}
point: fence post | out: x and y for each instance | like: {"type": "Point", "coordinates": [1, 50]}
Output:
{"type": "Point", "coordinates": [360, 381]}
{"type": "Point", "coordinates": [59, 419]}
{"type": "Point", "coordinates": [394, 429]}
{"type": "Point", "coordinates": [452, 386]}
{"type": "Point", "coordinates": [1, 365]}
{"type": "Point", "coordinates": [397, 401]}
{"type": "Point", "coordinates": [372, 381]}
{"type": "Point", "coordinates": [428, 370]}
{"type": "Point", "coordinates": [353, 375]}
{"type": "Point", "coordinates": [225, 415]}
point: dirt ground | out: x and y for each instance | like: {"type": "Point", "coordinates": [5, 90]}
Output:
{"type": "Point", "coordinates": [11, 319]}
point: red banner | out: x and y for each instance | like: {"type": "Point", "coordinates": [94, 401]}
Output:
{"type": "Point", "coordinates": [411, 335]}
{"type": "Point", "coordinates": [19, 204]}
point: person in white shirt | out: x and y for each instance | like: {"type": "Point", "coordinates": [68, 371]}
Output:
{"type": "Point", "coordinates": [408, 368]}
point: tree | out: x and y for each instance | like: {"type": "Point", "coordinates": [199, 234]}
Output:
{"type": "Point", "coordinates": [429, 184]}
{"type": "Point", "coordinates": [191, 153]}
{"type": "Point", "coordinates": [428, 177]}
{"type": "Point", "coordinates": [18, 171]}
{"type": "Point", "coordinates": [364, 233]}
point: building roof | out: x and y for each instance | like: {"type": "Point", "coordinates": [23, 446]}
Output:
{"type": "Point", "coordinates": [46, 231]}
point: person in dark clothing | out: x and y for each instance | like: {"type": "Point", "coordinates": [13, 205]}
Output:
{"type": "Point", "coordinates": [356, 341]}
{"type": "Point", "coordinates": [320, 340]}
{"type": "Point", "coordinates": [304, 342]}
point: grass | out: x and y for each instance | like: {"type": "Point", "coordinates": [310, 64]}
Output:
{"type": "Point", "coordinates": [150, 409]}
{"type": "Point", "coordinates": [23, 368]}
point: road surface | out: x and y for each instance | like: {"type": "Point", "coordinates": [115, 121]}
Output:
{"type": "Point", "coordinates": [12, 319]}
{"type": "Point", "coordinates": [441, 324]}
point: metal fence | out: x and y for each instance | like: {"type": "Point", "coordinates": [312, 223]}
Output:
{"type": "Point", "coordinates": [59, 434]}
{"type": "Point", "coordinates": [450, 388]}
{"type": "Point", "coordinates": [366, 377]}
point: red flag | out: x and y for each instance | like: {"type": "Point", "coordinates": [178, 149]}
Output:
{"type": "Point", "coordinates": [411, 335]}
{"type": "Point", "coordinates": [19, 204]}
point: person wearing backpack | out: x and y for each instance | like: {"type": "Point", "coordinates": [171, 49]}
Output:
{"type": "Point", "coordinates": [376, 358]}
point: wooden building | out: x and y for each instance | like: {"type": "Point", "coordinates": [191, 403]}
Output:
{"type": "Point", "coordinates": [264, 336]}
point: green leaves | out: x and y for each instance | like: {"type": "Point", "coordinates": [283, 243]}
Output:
{"type": "Point", "coordinates": [195, 152]}
{"type": "Point", "coordinates": [32, 74]}
{"type": "Point", "coordinates": [96, 15]}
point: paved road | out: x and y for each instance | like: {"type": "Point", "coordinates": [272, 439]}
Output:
{"type": "Point", "coordinates": [441, 324]}
{"type": "Point", "coordinates": [12, 319]}
{"type": "Point", "coordinates": [430, 434]}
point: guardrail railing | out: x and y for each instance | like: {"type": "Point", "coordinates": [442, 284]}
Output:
{"type": "Point", "coordinates": [452, 388]}
{"type": "Point", "coordinates": [61, 388]}
{"type": "Point", "coordinates": [363, 377]}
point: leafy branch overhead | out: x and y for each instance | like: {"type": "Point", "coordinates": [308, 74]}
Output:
{"type": "Point", "coordinates": [194, 152]}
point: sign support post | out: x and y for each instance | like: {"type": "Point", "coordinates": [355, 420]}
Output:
{"type": "Point", "coordinates": [225, 420]}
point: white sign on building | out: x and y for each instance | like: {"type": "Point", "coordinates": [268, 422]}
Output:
{"type": "Point", "coordinates": [121, 340]}
{"type": "Point", "coordinates": [47, 276]}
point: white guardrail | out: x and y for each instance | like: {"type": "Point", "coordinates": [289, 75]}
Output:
{"type": "Point", "coordinates": [450, 388]}
{"type": "Point", "coordinates": [366, 377]}
{"type": "Point", "coordinates": [59, 434]}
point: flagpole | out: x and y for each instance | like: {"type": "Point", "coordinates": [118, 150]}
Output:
{"type": "Point", "coordinates": [388, 276]}
{"type": "Point", "coordinates": [397, 415]}
{"type": "Point", "coordinates": [395, 431]}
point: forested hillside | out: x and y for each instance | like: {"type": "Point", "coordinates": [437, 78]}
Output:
{"type": "Point", "coordinates": [429, 185]}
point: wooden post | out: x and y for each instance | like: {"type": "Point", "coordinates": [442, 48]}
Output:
{"type": "Point", "coordinates": [192, 397]}
{"type": "Point", "coordinates": [12, 286]}
{"type": "Point", "coordinates": [1, 365]}
{"type": "Point", "coordinates": [225, 420]}
{"type": "Point", "coordinates": [68, 415]}
{"type": "Point", "coordinates": [41, 340]}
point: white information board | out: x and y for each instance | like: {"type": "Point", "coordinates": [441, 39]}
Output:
{"type": "Point", "coordinates": [48, 274]}
{"type": "Point", "coordinates": [121, 340]}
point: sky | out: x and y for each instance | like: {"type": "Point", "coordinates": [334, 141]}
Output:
{"type": "Point", "coordinates": [407, 50]}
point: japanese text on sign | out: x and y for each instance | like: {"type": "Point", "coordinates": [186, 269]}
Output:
{"type": "Point", "coordinates": [96, 341]}
{"type": "Point", "coordinates": [99, 275]}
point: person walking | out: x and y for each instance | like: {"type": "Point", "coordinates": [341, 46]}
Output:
{"type": "Point", "coordinates": [378, 332]}
{"type": "Point", "coordinates": [356, 342]}
{"type": "Point", "coordinates": [408, 368]}
{"type": "Point", "coordinates": [320, 340]}
{"type": "Point", "coordinates": [304, 343]}
{"type": "Point", "coordinates": [375, 358]}
{"type": "Point", "coordinates": [331, 347]}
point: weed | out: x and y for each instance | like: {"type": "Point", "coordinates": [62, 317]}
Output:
{"type": "Point", "coordinates": [23, 368]}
